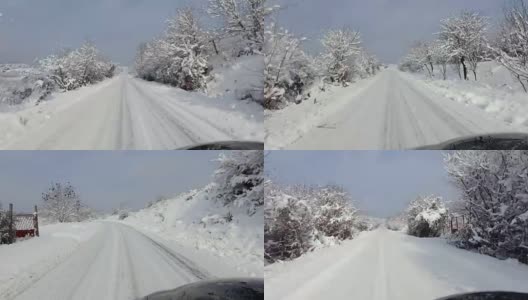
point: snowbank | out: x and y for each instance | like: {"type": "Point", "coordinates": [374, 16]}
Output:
{"type": "Point", "coordinates": [26, 261]}
{"type": "Point", "coordinates": [223, 109]}
{"type": "Point", "coordinates": [196, 220]}
{"type": "Point", "coordinates": [27, 117]}
{"type": "Point", "coordinates": [496, 92]}
{"type": "Point", "coordinates": [22, 86]}
{"type": "Point", "coordinates": [287, 125]}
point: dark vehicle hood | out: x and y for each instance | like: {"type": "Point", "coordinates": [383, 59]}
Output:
{"type": "Point", "coordinates": [499, 141]}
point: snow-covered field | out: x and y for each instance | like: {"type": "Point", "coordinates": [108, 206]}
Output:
{"type": "Point", "coordinates": [384, 264]}
{"type": "Point", "coordinates": [392, 110]}
{"type": "Point", "coordinates": [197, 221]}
{"type": "Point", "coordinates": [496, 92]}
{"type": "Point", "coordinates": [129, 113]}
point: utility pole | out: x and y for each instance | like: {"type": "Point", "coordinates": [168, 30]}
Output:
{"type": "Point", "coordinates": [35, 221]}
{"type": "Point", "coordinates": [11, 237]}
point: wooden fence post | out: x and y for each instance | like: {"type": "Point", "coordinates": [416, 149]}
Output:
{"type": "Point", "coordinates": [11, 237]}
{"type": "Point", "coordinates": [35, 221]}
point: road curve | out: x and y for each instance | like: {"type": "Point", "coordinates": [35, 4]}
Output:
{"type": "Point", "coordinates": [118, 263]}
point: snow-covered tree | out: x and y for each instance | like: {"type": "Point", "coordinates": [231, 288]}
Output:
{"type": "Point", "coordinates": [495, 197]}
{"type": "Point", "coordinates": [288, 70]}
{"type": "Point", "coordinates": [464, 36]}
{"type": "Point", "coordinates": [288, 225]}
{"type": "Point", "coordinates": [441, 57]}
{"type": "Point", "coordinates": [334, 214]}
{"type": "Point", "coordinates": [512, 44]}
{"type": "Point", "coordinates": [366, 64]}
{"type": "Point", "coordinates": [420, 56]}
{"type": "Point", "coordinates": [71, 69]}
{"type": "Point", "coordinates": [426, 216]}
{"type": "Point", "coordinates": [179, 57]}
{"type": "Point", "coordinates": [4, 226]}
{"type": "Point", "coordinates": [243, 19]}
{"type": "Point", "coordinates": [297, 218]}
{"type": "Point", "coordinates": [62, 203]}
{"type": "Point", "coordinates": [340, 48]}
{"type": "Point", "coordinates": [240, 179]}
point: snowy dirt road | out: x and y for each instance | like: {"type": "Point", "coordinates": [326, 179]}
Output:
{"type": "Point", "coordinates": [128, 113]}
{"type": "Point", "coordinates": [397, 112]}
{"type": "Point", "coordinates": [118, 262]}
{"type": "Point", "coordinates": [383, 265]}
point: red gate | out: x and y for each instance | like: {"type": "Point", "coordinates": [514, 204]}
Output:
{"type": "Point", "coordinates": [19, 225]}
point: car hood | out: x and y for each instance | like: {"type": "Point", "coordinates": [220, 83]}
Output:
{"type": "Point", "coordinates": [499, 141]}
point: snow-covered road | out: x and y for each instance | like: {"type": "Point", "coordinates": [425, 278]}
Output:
{"type": "Point", "coordinates": [396, 111]}
{"type": "Point", "coordinates": [383, 265]}
{"type": "Point", "coordinates": [117, 262]}
{"type": "Point", "coordinates": [128, 113]}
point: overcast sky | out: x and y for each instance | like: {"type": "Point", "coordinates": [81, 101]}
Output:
{"type": "Point", "coordinates": [104, 179]}
{"type": "Point", "coordinates": [381, 183]}
{"type": "Point", "coordinates": [388, 27]}
{"type": "Point", "coordinates": [34, 28]}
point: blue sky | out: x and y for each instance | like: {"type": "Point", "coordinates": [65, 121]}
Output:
{"type": "Point", "coordinates": [381, 183]}
{"type": "Point", "coordinates": [35, 28]}
{"type": "Point", "coordinates": [104, 179]}
{"type": "Point", "coordinates": [388, 27]}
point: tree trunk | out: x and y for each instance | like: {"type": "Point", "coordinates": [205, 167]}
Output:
{"type": "Point", "coordinates": [214, 46]}
{"type": "Point", "coordinates": [475, 74]}
{"type": "Point", "coordinates": [522, 83]}
{"type": "Point", "coordinates": [464, 67]}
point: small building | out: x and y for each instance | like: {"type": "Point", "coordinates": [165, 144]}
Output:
{"type": "Point", "coordinates": [24, 225]}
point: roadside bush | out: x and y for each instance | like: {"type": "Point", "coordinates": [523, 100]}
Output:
{"type": "Point", "coordinates": [239, 180]}
{"type": "Point", "coordinates": [75, 68]}
{"type": "Point", "coordinates": [298, 218]}
{"type": "Point", "coordinates": [426, 216]}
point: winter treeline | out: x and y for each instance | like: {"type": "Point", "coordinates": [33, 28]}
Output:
{"type": "Point", "coordinates": [74, 68]}
{"type": "Point", "coordinates": [63, 204]}
{"type": "Point", "coordinates": [239, 180]}
{"type": "Point", "coordinates": [495, 199]}
{"type": "Point", "coordinates": [461, 43]}
{"type": "Point", "coordinates": [4, 226]}
{"type": "Point", "coordinates": [464, 41]}
{"type": "Point", "coordinates": [426, 216]}
{"type": "Point", "coordinates": [298, 218]}
{"type": "Point", "coordinates": [183, 55]}
{"type": "Point", "coordinates": [290, 71]}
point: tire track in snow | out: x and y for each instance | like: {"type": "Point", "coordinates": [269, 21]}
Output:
{"type": "Point", "coordinates": [118, 263]}
{"type": "Point", "coordinates": [180, 260]}
{"type": "Point", "coordinates": [176, 108]}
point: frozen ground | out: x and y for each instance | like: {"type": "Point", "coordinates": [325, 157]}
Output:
{"type": "Point", "coordinates": [128, 113]}
{"type": "Point", "coordinates": [100, 260]}
{"type": "Point", "coordinates": [382, 265]}
{"type": "Point", "coordinates": [392, 110]}
{"type": "Point", "coordinates": [197, 221]}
